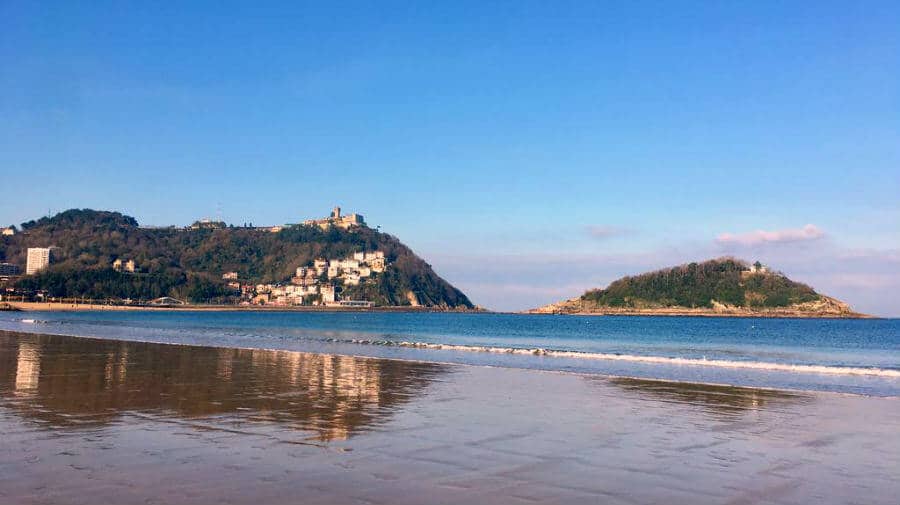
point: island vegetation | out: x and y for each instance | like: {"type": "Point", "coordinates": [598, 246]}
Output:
{"type": "Point", "coordinates": [723, 286]}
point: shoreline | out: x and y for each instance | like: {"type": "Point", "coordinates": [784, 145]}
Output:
{"type": "Point", "coordinates": [69, 307]}
{"type": "Point", "coordinates": [756, 315]}
{"type": "Point", "coordinates": [14, 333]}
{"type": "Point", "coordinates": [688, 312]}
{"type": "Point", "coordinates": [77, 307]}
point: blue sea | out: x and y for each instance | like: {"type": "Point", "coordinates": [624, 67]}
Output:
{"type": "Point", "coordinates": [850, 356]}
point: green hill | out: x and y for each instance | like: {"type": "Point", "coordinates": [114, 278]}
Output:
{"type": "Point", "coordinates": [189, 263]}
{"type": "Point", "coordinates": [725, 281]}
{"type": "Point", "coordinates": [725, 286]}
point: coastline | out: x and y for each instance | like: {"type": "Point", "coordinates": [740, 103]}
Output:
{"type": "Point", "coordinates": [833, 310]}
{"type": "Point", "coordinates": [75, 307]}
{"type": "Point", "coordinates": [69, 307]}
{"type": "Point", "coordinates": [4, 333]}
{"type": "Point", "coordinates": [705, 313]}
{"type": "Point", "coordinates": [242, 425]}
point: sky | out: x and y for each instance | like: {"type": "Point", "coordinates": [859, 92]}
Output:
{"type": "Point", "coordinates": [527, 150]}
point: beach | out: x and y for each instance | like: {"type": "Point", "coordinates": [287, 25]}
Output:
{"type": "Point", "coordinates": [102, 421]}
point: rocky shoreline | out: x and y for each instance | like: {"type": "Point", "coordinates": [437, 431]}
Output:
{"type": "Point", "coordinates": [825, 308]}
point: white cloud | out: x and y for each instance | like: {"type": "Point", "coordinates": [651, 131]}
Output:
{"type": "Point", "coordinates": [759, 237]}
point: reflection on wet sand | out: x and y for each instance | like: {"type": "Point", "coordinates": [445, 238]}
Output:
{"type": "Point", "coordinates": [715, 399]}
{"type": "Point", "coordinates": [70, 382]}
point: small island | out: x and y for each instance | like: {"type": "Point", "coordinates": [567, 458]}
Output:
{"type": "Point", "coordinates": [724, 287]}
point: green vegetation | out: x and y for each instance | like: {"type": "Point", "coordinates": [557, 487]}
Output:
{"type": "Point", "coordinates": [727, 281]}
{"type": "Point", "coordinates": [188, 264]}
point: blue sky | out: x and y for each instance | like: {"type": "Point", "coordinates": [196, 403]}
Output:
{"type": "Point", "coordinates": [527, 150]}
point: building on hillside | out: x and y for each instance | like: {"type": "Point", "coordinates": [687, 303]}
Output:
{"type": "Point", "coordinates": [207, 224]}
{"type": "Point", "coordinates": [8, 231]}
{"type": "Point", "coordinates": [336, 219]}
{"type": "Point", "coordinates": [8, 270]}
{"type": "Point", "coordinates": [328, 294]}
{"type": "Point", "coordinates": [378, 264]}
{"type": "Point", "coordinates": [124, 266]}
{"type": "Point", "coordinates": [333, 271]}
{"type": "Point", "coordinates": [758, 268]}
{"type": "Point", "coordinates": [230, 276]}
{"type": "Point", "coordinates": [38, 259]}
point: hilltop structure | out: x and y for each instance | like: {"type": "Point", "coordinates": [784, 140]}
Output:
{"type": "Point", "coordinates": [336, 219]}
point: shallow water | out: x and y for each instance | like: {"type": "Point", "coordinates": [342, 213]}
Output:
{"type": "Point", "coordinates": [858, 356]}
{"type": "Point", "coordinates": [88, 421]}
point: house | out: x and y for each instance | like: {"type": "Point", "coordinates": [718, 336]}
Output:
{"type": "Point", "coordinates": [124, 266]}
{"type": "Point", "coordinates": [8, 232]}
{"type": "Point", "coordinates": [378, 264]}
{"type": "Point", "coordinates": [230, 276]}
{"type": "Point", "coordinates": [8, 270]}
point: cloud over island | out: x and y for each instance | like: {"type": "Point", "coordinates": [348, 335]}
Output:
{"type": "Point", "coordinates": [760, 237]}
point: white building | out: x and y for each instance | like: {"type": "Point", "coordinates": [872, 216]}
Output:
{"type": "Point", "coordinates": [334, 271]}
{"type": "Point", "coordinates": [124, 266]}
{"type": "Point", "coordinates": [378, 264]}
{"type": "Point", "coordinates": [38, 259]}
{"type": "Point", "coordinates": [758, 268]}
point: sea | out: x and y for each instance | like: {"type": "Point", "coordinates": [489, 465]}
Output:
{"type": "Point", "coordinates": [857, 356]}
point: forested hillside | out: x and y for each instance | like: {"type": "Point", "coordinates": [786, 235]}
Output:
{"type": "Point", "coordinates": [189, 264]}
{"type": "Point", "coordinates": [726, 281]}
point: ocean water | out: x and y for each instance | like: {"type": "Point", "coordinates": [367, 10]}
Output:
{"type": "Point", "coordinates": [850, 356]}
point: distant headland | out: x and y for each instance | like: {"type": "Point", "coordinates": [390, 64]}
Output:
{"type": "Point", "coordinates": [724, 287]}
{"type": "Point", "coordinates": [84, 256]}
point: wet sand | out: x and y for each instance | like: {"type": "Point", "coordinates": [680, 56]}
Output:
{"type": "Point", "coordinates": [97, 421]}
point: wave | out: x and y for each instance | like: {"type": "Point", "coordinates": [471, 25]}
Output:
{"type": "Point", "coordinates": [561, 353]}
{"type": "Point", "coordinates": [722, 363]}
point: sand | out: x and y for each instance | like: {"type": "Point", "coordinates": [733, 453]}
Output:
{"type": "Point", "coordinates": [96, 421]}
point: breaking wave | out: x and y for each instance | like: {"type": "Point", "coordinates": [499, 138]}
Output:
{"type": "Point", "coordinates": [554, 353]}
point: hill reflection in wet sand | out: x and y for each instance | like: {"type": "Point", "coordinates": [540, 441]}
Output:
{"type": "Point", "coordinates": [718, 400]}
{"type": "Point", "coordinates": [67, 382]}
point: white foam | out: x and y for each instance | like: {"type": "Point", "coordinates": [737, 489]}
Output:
{"type": "Point", "coordinates": [723, 363]}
